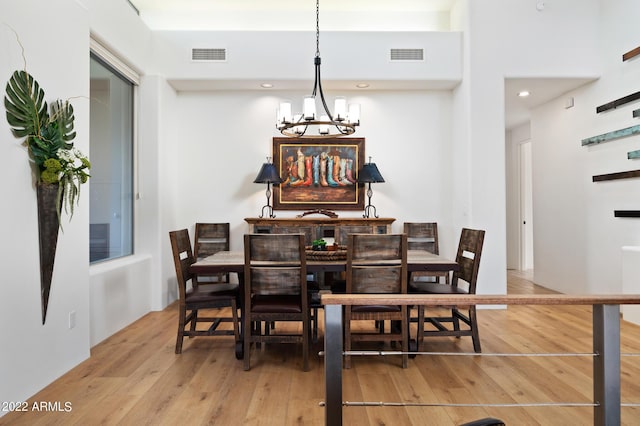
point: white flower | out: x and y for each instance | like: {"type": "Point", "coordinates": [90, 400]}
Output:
{"type": "Point", "coordinates": [65, 155]}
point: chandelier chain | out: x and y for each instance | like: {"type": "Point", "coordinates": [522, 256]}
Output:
{"type": "Point", "coordinates": [296, 125]}
{"type": "Point", "coordinates": [317, 28]}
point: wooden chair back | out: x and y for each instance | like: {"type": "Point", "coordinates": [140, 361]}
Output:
{"type": "Point", "coordinates": [210, 239]}
{"type": "Point", "coordinates": [345, 230]}
{"type": "Point", "coordinates": [182, 259]}
{"type": "Point", "coordinates": [422, 236]}
{"type": "Point", "coordinates": [377, 263]}
{"type": "Point", "coordinates": [275, 264]}
{"type": "Point", "coordinates": [308, 232]}
{"type": "Point", "coordinates": [468, 257]}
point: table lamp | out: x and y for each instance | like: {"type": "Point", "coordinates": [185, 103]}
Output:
{"type": "Point", "coordinates": [370, 174]}
{"type": "Point", "coordinates": [269, 175]}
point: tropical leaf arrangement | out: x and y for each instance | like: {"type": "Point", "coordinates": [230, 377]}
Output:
{"type": "Point", "coordinates": [48, 132]}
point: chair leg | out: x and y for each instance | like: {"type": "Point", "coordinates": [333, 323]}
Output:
{"type": "Point", "coordinates": [314, 324]}
{"type": "Point", "coordinates": [248, 331]}
{"type": "Point", "coordinates": [181, 319]}
{"type": "Point", "coordinates": [474, 329]}
{"type": "Point", "coordinates": [454, 319]}
{"type": "Point", "coordinates": [257, 329]}
{"type": "Point", "coordinates": [194, 321]}
{"type": "Point", "coordinates": [405, 337]}
{"type": "Point", "coordinates": [306, 332]}
{"type": "Point", "coordinates": [347, 337]}
{"type": "Point", "coordinates": [420, 334]}
{"type": "Point", "coordinates": [236, 325]}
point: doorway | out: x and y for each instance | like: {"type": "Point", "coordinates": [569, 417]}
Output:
{"type": "Point", "coordinates": [526, 206]}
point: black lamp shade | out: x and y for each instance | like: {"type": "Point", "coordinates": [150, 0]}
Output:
{"type": "Point", "coordinates": [268, 174]}
{"type": "Point", "coordinates": [370, 174]}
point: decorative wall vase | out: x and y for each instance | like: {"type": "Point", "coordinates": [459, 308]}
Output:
{"type": "Point", "coordinates": [48, 132]}
{"type": "Point", "coordinates": [48, 225]}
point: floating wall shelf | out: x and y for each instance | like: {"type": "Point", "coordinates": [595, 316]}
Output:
{"type": "Point", "coordinates": [620, 175]}
{"type": "Point", "coordinates": [616, 134]}
{"type": "Point", "coordinates": [630, 54]}
{"type": "Point", "coordinates": [618, 102]}
{"type": "Point", "coordinates": [626, 213]}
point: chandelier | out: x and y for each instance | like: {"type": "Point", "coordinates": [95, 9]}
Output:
{"type": "Point", "coordinates": [342, 122]}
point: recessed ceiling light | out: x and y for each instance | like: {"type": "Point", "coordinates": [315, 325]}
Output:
{"type": "Point", "coordinates": [524, 93]}
{"type": "Point", "coordinates": [266, 85]}
{"type": "Point", "coordinates": [362, 85]}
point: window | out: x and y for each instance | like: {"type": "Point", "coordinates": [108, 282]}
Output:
{"type": "Point", "coordinates": [111, 144]}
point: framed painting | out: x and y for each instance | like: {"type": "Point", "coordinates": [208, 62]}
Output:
{"type": "Point", "coordinates": [318, 173]}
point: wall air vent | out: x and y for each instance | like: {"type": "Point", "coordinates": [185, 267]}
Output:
{"type": "Point", "coordinates": [407, 54]}
{"type": "Point", "coordinates": [209, 54]}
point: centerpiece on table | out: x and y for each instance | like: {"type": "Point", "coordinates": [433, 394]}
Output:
{"type": "Point", "coordinates": [60, 168]}
{"type": "Point", "coordinates": [319, 245]}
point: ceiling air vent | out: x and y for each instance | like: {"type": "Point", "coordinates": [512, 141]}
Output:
{"type": "Point", "coordinates": [209, 54]}
{"type": "Point", "coordinates": [407, 54]}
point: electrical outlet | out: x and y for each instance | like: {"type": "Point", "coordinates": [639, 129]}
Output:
{"type": "Point", "coordinates": [72, 319]}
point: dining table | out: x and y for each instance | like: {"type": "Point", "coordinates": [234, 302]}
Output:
{"type": "Point", "coordinates": [233, 261]}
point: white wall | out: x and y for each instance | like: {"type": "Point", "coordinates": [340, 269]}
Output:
{"type": "Point", "coordinates": [223, 160]}
{"type": "Point", "coordinates": [346, 55]}
{"type": "Point", "coordinates": [631, 281]}
{"type": "Point", "coordinates": [33, 354]}
{"type": "Point", "coordinates": [36, 354]}
{"type": "Point", "coordinates": [119, 295]}
{"type": "Point", "coordinates": [578, 241]}
{"type": "Point", "coordinates": [298, 16]}
{"type": "Point", "coordinates": [504, 38]}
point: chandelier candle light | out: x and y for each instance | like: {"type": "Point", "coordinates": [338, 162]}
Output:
{"type": "Point", "coordinates": [342, 122]}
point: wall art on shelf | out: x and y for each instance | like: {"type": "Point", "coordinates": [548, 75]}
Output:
{"type": "Point", "coordinates": [318, 173]}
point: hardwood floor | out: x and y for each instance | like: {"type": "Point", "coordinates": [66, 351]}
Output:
{"type": "Point", "coordinates": [135, 378]}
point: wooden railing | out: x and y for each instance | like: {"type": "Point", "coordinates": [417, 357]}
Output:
{"type": "Point", "coordinates": [606, 340]}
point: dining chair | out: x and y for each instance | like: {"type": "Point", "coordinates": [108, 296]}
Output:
{"type": "Point", "coordinates": [337, 280]}
{"type": "Point", "coordinates": [462, 282]}
{"type": "Point", "coordinates": [424, 236]}
{"type": "Point", "coordinates": [313, 287]}
{"type": "Point", "coordinates": [211, 238]}
{"type": "Point", "coordinates": [376, 264]}
{"type": "Point", "coordinates": [342, 236]}
{"type": "Point", "coordinates": [275, 289]}
{"type": "Point", "coordinates": [195, 297]}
